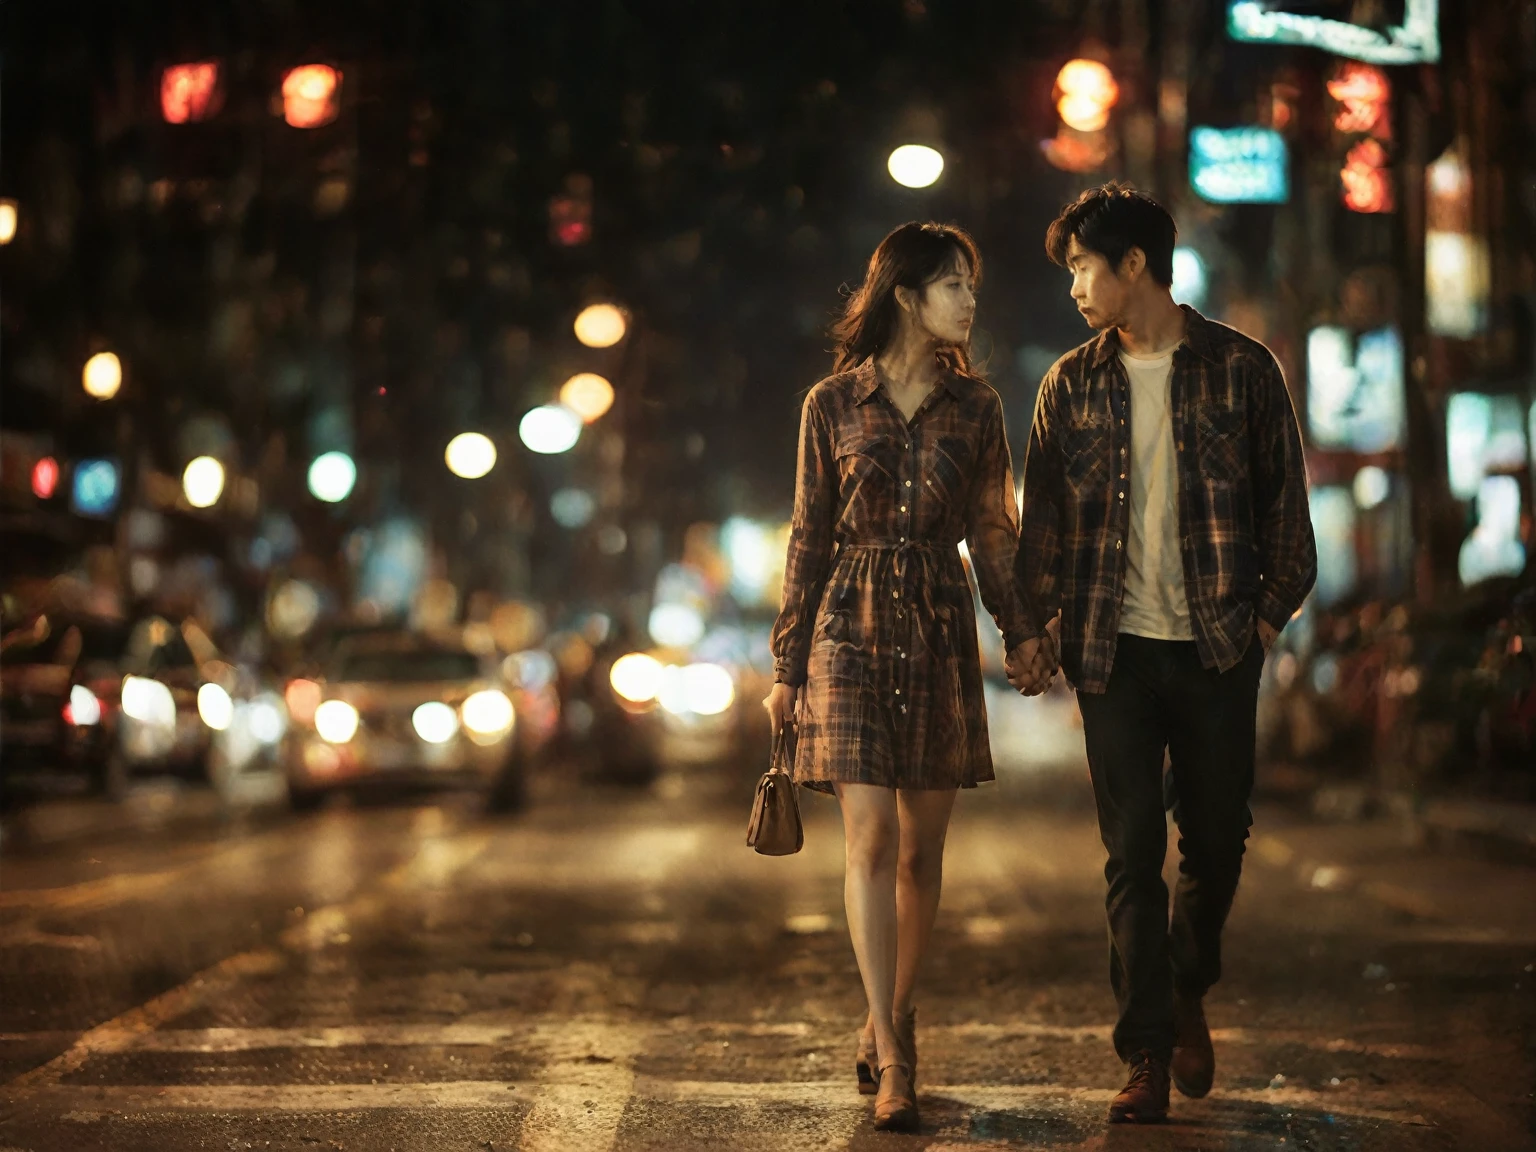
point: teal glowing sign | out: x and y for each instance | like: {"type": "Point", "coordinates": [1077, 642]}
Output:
{"type": "Point", "coordinates": [96, 488]}
{"type": "Point", "coordinates": [1415, 41]}
{"type": "Point", "coordinates": [1239, 165]}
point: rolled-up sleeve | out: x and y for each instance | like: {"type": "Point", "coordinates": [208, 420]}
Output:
{"type": "Point", "coordinates": [992, 530]}
{"type": "Point", "coordinates": [809, 557]}
{"type": "Point", "coordinates": [1037, 569]}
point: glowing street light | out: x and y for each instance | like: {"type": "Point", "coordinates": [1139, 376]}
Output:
{"type": "Point", "coordinates": [470, 455]}
{"type": "Point", "coordinates": [331, 477]}
{"type": "Point", "coordinates": [203, 482]}
{"type": "Point", "coordinates": [311, 95]}
{"type": "Point", "coordinates": [588, 395]}
{"type": "Point", "coordinates": [600, 326]}
{"type": "Point", "coordinates": [103, 375]}
{"type": "Point", "coordinates": [7, 221]}
{"type": "Point", "coordinates": [915, 165]}
{"type": "Point", "coordinates": [190, 92]}
{"type": "Point", "coordinates": [550, 429]}
{"type": "Point", "coordinates": [1088, 91]}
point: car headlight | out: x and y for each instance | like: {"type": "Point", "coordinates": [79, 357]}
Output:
{"type": "Point", "coordinates": [83, 708]}
{"type": "Point", "coordinates": [215, 707]}
{"type": "Point", "coordinates": [487, 713]}
{"type": "Point", "coordinates": [697, 689]}
{"type": "Point", "coordinates": [148, 701]}
{"type": "Point", "coordinates": [435, 722]}
{"type": "Point", "coordinates": [336, 721]}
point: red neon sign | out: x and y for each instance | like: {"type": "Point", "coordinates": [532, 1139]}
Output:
{"type": "Point", "coordinates": [1367, 182]}
{"type": "Point", "coordinates": [1364, 94]}
{"type": "Point", "coordinates": [190, 92]}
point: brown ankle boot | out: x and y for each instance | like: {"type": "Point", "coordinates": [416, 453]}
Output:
{"type": "Point", "coordinates": [1144, 1099]}
{"type": "Point", "coordinates": [896, 1103]}
{"type": "Point", "coordinates": [1194, 1059]}
{"type": "Point", "coordinates": [865, 1061]}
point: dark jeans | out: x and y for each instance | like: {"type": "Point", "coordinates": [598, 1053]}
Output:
{"type": "Point", "coordinates": [1159, 697]}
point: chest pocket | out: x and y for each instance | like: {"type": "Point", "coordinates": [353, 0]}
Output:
{"type": "Point", "coordinates": [1221, 434]}
{"type": "Point", "coordinates": [866, 468]}
{"type": "Point", "coordinates": [1085, 455]}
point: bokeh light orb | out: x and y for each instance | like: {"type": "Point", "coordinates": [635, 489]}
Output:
{"type": "Point", "coordinates": [336, 721]}
{"type": "Point", "coordinates": [636, 677]}
{"type": "Point", "coordinates": [915, 165]}
{"type": "Point", "coordinates": [1371, 487]}
{"type": "Point", "coordinates": [103, 375]}
{"type": "Point", "coordinates": [45, 478]}
{"type": "Point", "coordinates": [203, 482]}
{"type": "Point", "coordinates": [588, 395]}
{"type": "Point", "coordinates": [550, 429]}
{"type": "Point", "coordinates": [332, 476]}
{"type": "Point", "coordinates": [675, 625]}
{"type": "Point", "coordinates": [7, 221]}
{"type": "Point", "coordinates": [311, 95]}
{"type": "Point", "coordinates": [600, 326]}
{"type": "Point", "coordinates": [435, 722]}
{"type": "Point", "coordinates": [1088, 92]}
{"type": "Point", "coordinates": [470, 455]}
{"type": "Point", "coordinates": [215, 707]}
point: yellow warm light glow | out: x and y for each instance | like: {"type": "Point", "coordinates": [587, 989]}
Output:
{"type": "Point", "coordinates": [310, 95]}
{"type": "Point", "coordinates": [7, 221]}
{"type": "Point", "coordinates": [470, 455]}
{"type": "Point", "coordinates": [915, 165]}
{"type": "Point", "coordinates": [203, 482]}
{"type": "Point", "coordinates": [636, 677]}
{"type": "Point", "coordinates": [1088, 92]}
{"type": "Point", "coordinates": [600, 326]}
{"type": "Point", "coordinates": [336, 721]}
{"type": "Point", "coordinates": [103, 375]}
{"type": "Point", "coordinates": [588, 395]}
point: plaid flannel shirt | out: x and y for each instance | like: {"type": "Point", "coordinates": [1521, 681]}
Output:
{"type": "Point", "coordinates": [1245, 530]}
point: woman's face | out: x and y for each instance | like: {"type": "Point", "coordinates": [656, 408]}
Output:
{"type": "Point", "coordinates": [946, 307]}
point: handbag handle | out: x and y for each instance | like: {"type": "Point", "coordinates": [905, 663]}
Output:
{"type": "Point", "coordinates": [779, 752]}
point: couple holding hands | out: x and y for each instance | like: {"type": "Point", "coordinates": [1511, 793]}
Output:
{"type": "Point", "coordinates": [1164, 541]}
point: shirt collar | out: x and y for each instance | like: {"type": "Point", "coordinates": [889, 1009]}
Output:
{"type": "Point", "coordinates": [1197, 337]}
{"type": "Point", "coordinates": [867, 382]}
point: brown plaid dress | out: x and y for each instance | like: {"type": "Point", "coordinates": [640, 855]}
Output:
{"type": "Point", "coordinates": [876, 620]}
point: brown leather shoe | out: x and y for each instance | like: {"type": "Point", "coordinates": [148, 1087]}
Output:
{"type": "Point", "coordinates": [864, 1060]}
{"type": "Point", "coordinates": [1144, 1099]}
{"type": "Point", "coordinates": [1194, 1059]}
{"type": "Point", "coordinates": [896, 1104]}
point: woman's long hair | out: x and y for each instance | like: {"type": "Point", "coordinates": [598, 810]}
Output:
{"type": "Point", "coordinates": [912, 256]}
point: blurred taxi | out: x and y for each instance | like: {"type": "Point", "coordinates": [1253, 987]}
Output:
{"type": "Point", "coordinates": [402, 710]}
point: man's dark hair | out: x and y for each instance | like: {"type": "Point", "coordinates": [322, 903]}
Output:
{"type": "Point", "coordinates": [1111, 220]}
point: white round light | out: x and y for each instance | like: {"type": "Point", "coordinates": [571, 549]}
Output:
{"type": "Point", "coordinates": [336, 721]}
{"type": "Point", "coordinates": [550, 429]}
{"type": "Point", "coordinates": [84, 708]}
{"type": "Point", "coordinates": [103, 375]}
{"type": "Point", "coordinates": [600, 326]}
{"type": "Point", "coordinates": [7, 221]}
{"type": "Point", "coordinates": [215, 707]}
{"type": "Point", "coordinates": [636, 677]}
{"type": "Point", "coordinates": [572, 507]}
{"type": "Point", "coordinates": [203, 482]}
{"type": "Point", "coordinates": [148, 701]}
{"type": "Point", "coordinates": [676, 625]}
{"type": "Point", "coordinates": [332, 476]}
{"type": "Point", "coordinates": [470, 455]}
{"type": "Point", "coordinates": [708, 689]}
{"type": "Point", "coordinates": [915, 165]}
{"type": "Point", "coordinates": [1189, 278]}
{"type": "Point", "coordinates": [435, 722]}
{"type": "Point", "coordinates": [265, 719]}
{"type": "Point", "coordinates": [488, 712]}
{"type": "Point", "coordinates": [1372, 486]}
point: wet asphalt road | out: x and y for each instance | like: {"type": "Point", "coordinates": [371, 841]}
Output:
{"type": "Point", "coordinates": [615, 970]}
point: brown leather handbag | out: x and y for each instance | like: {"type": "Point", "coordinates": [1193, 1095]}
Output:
{"type": "Point", "coordinates": [774, 829]}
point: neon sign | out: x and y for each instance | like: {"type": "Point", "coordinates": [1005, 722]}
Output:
{"type": "Point", "coordinates": [1415, 41]}
{"type": "Point", "coordinates": [1364, 94]}
{"type": "Point", "coordinates": [1367, 182]}
{"type": "Point", "coordinates": [1355, 389]}
{"type": "Point", "coordinates": [1239, 165]}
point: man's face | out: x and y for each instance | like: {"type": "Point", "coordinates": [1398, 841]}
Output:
{"type": "Point", "coordinates": [1098, 291]}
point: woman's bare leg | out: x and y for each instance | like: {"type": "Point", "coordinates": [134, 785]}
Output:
{"type": "Point", "coordinates": [871, 830]}
{"type": "Point", "coordinates": [924, 820]}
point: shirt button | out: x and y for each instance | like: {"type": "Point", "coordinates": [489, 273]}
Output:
{"type": "Point", "coordinates": [898, 691]}
{"type": "Point", "coordinates": [895, 595]}
{"type": "Point", "coordinates": [1122, 495]}
{"type": "Point", "coordinates": [903, 540]}
{"type": "Point", "coordinates": [903, 709]}
{"type": "Point", "coordinates": [1117, 545]}
{"type": "Point", "coordinates": [903, 655]}
{"type": "Point", "coordinates": [903, 507]}
{"type": "Point", "coordinates": [909, 483]}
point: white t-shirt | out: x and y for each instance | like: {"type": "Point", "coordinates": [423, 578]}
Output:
{"type": "Point", "coordinates": [1155, 603]}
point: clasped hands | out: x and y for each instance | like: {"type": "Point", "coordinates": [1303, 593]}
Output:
{"type": "Point", "coordinates": [1032, 666]}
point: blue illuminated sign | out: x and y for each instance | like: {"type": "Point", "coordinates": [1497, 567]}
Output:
{"type": "Point", "coordinates": [1415, 41]}
{"type": "Point", "coordinates": [97, 488]}
{"type": "Point", "coordinates": [1239, 165]}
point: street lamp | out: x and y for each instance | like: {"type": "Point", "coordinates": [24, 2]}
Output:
{"type": "Point", "coordinates": [915, 165]}
{"type": "Point", "coordinates": [203, 482]}
{"type": "Point", "coordinates": [470, 455]}
{"type": "Point", "coordinates": [103, 375]}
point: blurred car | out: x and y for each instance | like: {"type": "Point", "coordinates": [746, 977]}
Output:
{"type": "Point", "coordinates": [401, 710]}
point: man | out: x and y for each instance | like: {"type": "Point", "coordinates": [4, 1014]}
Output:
{"type": "Point", "coordinates": [1165, 518]}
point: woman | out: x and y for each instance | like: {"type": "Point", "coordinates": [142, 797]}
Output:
{"type": "Point", "coordinates": [902, 455]}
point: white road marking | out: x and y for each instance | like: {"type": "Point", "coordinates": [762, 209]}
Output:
{"type": "Point", "coordinates": [584, 1086]}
